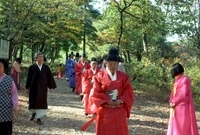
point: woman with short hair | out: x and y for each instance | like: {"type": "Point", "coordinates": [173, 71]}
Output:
{"type": "Point", "coordinates": [182, 119]}
{"type": "Point", "coordinates": [8, 100]}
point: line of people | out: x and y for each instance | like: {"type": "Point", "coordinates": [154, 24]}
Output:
{"type": "Point", "coordinates": [107, 93]}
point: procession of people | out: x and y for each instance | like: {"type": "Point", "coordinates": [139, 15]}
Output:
{"type": "Point", "coordinates": [105, 91]}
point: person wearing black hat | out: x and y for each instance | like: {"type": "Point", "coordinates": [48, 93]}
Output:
{"type": "Point", "coordinates": [87, 83]}
{"type": "Point", "coordinates": [80, 67]}
{"type": "Point", "coordinates": [77, 57]}
{"type": "Point", "coordinates": [70, 65]}
{"type": "Point", "coordinates": [8, 100]}
{"type": "Point", "coordinates": [113, 96]}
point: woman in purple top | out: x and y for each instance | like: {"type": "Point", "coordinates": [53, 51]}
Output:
{"type": "Point", "coordinates": [182, 119]}
{"type": "Point", "coordinates": [8, 100]}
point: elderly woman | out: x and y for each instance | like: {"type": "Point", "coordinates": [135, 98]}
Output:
{"type": "Point", "coordinates": [182, 119]}
{"type": "Point", "coordinates": [113, 96]}
{"type": "Point", "coordinates": [8, 100]}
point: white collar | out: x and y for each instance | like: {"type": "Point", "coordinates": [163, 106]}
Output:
{"type": "Point", "coordinates": [40, 66]}
{"type": "Point", "coordinates": [93, 71]}
{"type": "Point", "coordinates": [112, 77]}
{"type": "Point", "coordinates": [83, 63]}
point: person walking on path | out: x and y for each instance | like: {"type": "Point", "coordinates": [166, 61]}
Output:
{"type": "Point", "coordinates": [80, 67]}
{"type": "Point", "coordinates": [60, 71]}
{"type": "Point", "coordinates": [67, 66]}
{"type": "Point", "coordinates": [70, 65]}
{"type": "Point", "coordinates": [113, 96]}
{"type": "Point", "coordinates": [8, 100]}
{"type": "Point", "coordinates": [182, 119]}
{"type": "Point", "coordinates": [15, 72]}
{"type": "Point", "coordinates": [87, 83]}
{"type": "Point", "coordinates": [39, 79]}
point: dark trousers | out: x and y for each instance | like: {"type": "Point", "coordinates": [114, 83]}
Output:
{"type": "Point", "coordinates": [6, 128]}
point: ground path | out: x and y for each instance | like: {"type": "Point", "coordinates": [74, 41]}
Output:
{"type": "Point", "coordinates": [65, 115]}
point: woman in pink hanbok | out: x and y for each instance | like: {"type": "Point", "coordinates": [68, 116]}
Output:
{"type": "Point", "coordinates": [182, 119]}
{"type": "Point", "coordinates": [15, 72]}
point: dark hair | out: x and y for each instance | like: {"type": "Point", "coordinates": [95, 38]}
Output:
{"type": "Point", "coordinates": [5, 63]}
{"type": "Point", "coordinates": [77, 55]}
{"type": "Point", "coordinates": [93, 59]}
{"type": "Point", "coordinates": [177, 69]}
{"type": "Point", "coordinates": [71, 54]}
{"type": "Point", "coordinates": [18, 60]}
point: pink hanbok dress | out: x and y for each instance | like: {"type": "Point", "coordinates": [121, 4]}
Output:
{"type": "Point", "coordinates": [182, 119]}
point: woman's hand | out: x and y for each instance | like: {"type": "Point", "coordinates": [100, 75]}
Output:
{"type": "Point", "coordinates": [172, 105]}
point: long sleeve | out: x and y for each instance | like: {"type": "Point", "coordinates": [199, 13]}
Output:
{"type": "Point", "coordinates": [182, 91]}
{"type": "Point", "coordinates": [30, 77]}
{"type": "Point", "coordinates": [16, 66]}
{"type": "Point", "coordinates": [128, 94]}
{"type": "Point", "coordinates": [14, 95]}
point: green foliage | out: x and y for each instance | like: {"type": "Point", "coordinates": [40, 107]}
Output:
{"type": "Point", "coordinates": [193, 72]}
{"type": "Point", "coordinates": [150, 76]}
{"type": "Point", "coordinates": [149, 73]}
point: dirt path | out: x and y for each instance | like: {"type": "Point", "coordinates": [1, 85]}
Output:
{"type": "Point", "coordinates": [65, 115]}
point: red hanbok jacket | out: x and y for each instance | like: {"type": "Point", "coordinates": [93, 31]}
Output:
{"type": "Point", "coordinates": [112, 121]}
{"type": "Point", "coordinates": [79, 69]}
{"type": "Point", "coordinates": [87, 83]}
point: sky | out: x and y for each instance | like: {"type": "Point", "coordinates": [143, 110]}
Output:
{"type": "Point", "coordinates": [99, 4]}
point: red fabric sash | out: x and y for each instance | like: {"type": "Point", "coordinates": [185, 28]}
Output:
{"type": "Point", "coordinates": [84, 127]}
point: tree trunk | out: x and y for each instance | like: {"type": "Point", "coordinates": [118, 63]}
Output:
{"type": "Point", "coordinates": [145, 43]}
{"type": "Point", "coordinates": [129, 56]}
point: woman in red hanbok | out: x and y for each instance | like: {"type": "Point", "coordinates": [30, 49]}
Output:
{"type": "Point", "coordinates": [87, 83]}
{"type": "Point", "coordinates": [182, 119]}
{"type": "Point", "coordinates": [112, 94]}
{"type": "Point", "coordinates": [80, 67]}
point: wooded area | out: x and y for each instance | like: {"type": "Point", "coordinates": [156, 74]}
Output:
{"type": "Point", "coordinates": [138, 28]}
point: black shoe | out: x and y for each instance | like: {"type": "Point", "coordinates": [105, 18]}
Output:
{"type": "Point", "coordinates": [81, 97]}
{"type": "Point", "coordinates": [73, 89]}
{"type": "Point", "coordinates": [32, 117]}
{"type": "Point", "coordinates": [39, 122]}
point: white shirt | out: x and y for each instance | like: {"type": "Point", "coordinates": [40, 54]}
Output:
{"type": "Point", "coordinates": [40, 66]}
{"type": "Point", "coordinates": [112, 77]}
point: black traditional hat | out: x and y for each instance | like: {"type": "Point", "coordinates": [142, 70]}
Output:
{"type": "Point", "coordinates": [113, 55]}
{"type": "Point", "coordinates": [77, 54]}
{"type": "Point", "coordinates": [93, 59]}
{"type": "Point", "coordinates": [71, 54]}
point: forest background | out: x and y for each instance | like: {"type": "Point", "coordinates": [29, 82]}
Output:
{"type": "Point", "coordinates": [138, 28]}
